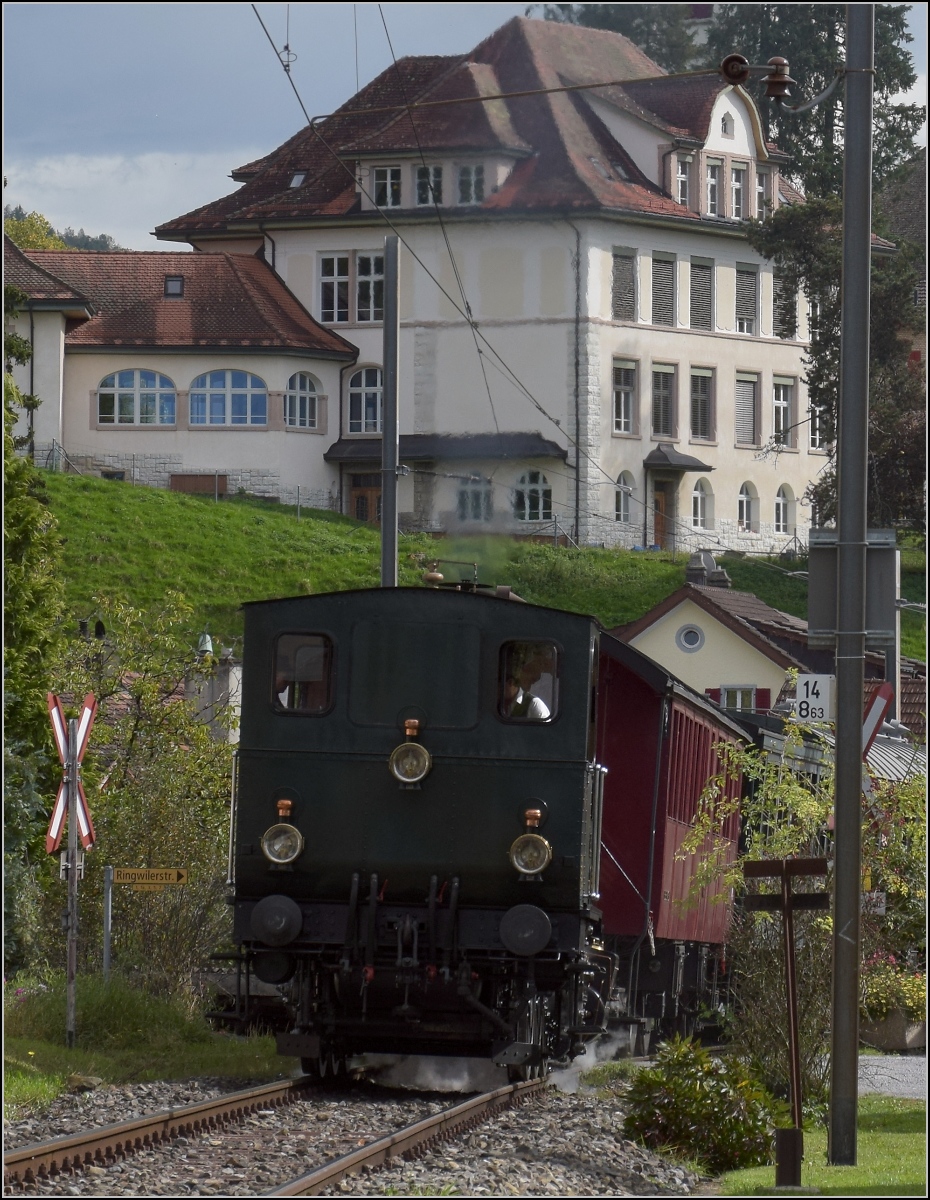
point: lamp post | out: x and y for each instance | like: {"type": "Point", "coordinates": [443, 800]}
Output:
{"type": "Point", "coordinates": [852, 476]}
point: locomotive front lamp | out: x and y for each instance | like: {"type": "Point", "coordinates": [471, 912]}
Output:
{"type": "Point", "coordinates": [282, 843]}
{"type": "Point", "coordinates": [530, 853]}
{"type": "Point", "coordinates": [410, 762]}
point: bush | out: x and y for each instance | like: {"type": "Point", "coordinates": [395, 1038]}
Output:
{"type": "Point", "coordinates": [702, 1108]}
{"type": "Point", "coordinates": [886, 986]}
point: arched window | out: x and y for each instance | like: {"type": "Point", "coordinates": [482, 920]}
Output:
{"type": "Point", "coordinates": [622, 497]}
{"type": "Point", "coordinates": [783, 499]}
{"type": "Point", "coordinates": [533, 497]}
{"type": "Point", "coordinates": [747, 509]}
{"type": "Point", "coordinates": [300, 402]}
{"type": "Point", "coordinates": [475, 501]}
{"type": "Point", "coordinates": [136, 397]}
{"type": "Point", "coordinates": [366, 403]}
{"type": "Point", "coordinates": [726, 125]}
{"type": "Point", "coordinates": [701, 505]}
{"type": "Point", "coordinates": [228, 398]}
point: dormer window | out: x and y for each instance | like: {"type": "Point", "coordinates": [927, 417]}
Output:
{"type": "Point", "coordinates": [297, 178]}
{"type": "Point", "coordinates": [726, 125]}
{"type": "Point", "coordinates": [174, 285]}
{"type": "Point", "coordinates": [387, 187]}
{"type": "Point", "coordinates": [471, 185]}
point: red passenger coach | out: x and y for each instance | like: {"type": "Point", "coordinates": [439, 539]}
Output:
{"type": "Point", "coordinates": [656, 738]}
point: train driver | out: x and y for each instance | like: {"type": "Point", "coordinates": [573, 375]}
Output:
{"type": "Point", "coordinates": [519, 703]}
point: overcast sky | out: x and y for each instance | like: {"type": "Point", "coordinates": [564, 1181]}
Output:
{"type": "Point", "coordinates": [120, 116]}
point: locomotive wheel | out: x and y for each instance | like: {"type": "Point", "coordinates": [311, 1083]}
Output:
{"type": "Point", "coordinates": [531, 1027]}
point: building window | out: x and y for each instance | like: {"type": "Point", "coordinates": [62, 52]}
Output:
{"type": "Point", "coordinates": [738, 193]}
{"type": "Point", "coordinates": [174, 285]}
{"type": "Point", "coordinates": [746, 509]}
{"type": "Point", "coordinates": [782, 405]}
{"type": "Point", "coordinates": [475, 501]}
{"type": "Point", "coordinates": [429, 185]}
{"type": "Point", "coordinates": [762, 193]}
{"type": "Point", "coordinates": [702, 294]}
{"type": "Point", "coordinates": [689, 638]}
{"type": "Point", "coordinates": [300, 410]}
{"type": "Point", "coordinates": [471, 185]}
{"type": "Point", "coordinates": [747, 287]}
{"type": "Point", "coordinates": [784, 309]}
{"type": "Point", "coordinates": [228, 398]}
{"type": "Point", "coordinates": [297, 178]}
{"type": "Point", "coordinates": [783, 510]}
{"type": "Point", "coordinates": [136, 397]}
{"type": "Point", "coordinates": [365, 401]}
{"type": "Point", "coordinates": [622, 498]}
{"type": "Point", "coordinates": [746, 396]}
{"type": "Point", "coordinates": [387, 187]}
{"type": "Point", "coordinates": [663, 291]}
{"type": "Point", "coordinates": [369, 287]}
{"type": "Point", "coordinates": [624, 397]}
{"type": "Point", "coordinates": [533, 497]}
{"type": "Point", "coordinates": [738, 698]}
{"type": "Point", "coordinates": [663, 401]}
{"type": "Point", "coordinates": [714, 171]}
{"type": "Point", "coordinates": [700, 505]}
{"type": "Point", "coordinates": [702, 407]}
{"type": "Point", "coordinates": [818, 427]}
{"type": "Point", "coordinates": [334, 288]}
{"type": "Point", "coordinates": [682, 178]}
{"type": "Point", "coordinates": [726, 125]}
{"type": "Point", "coordinates": [623, 288]}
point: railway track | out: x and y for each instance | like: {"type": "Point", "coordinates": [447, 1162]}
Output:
{"type": "Point", "coordinates": [104, 1146]}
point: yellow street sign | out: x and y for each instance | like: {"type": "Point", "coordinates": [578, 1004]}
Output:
{"type": "Point", "coordinates": [159, 875]}
{"type": "Point", "coordinates": [148, 887]}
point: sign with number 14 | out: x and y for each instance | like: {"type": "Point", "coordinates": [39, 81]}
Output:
{"type": "Point", "coordinates": [815, 698]}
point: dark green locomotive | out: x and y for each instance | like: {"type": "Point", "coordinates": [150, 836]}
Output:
{"type": "Point", "coordinates": [416, 831]}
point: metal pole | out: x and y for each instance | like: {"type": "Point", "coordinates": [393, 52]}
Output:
{"type": "Point", "coordinates": [390, 439]}
{"type": "Point", "coordinates": [852, 476]}
{"type": "Point", "coordinates": [216, 487]}
{"type": "Point", "coordinates": [71, 1002]}
{"type": "Point", "coordinates": [107, 919]}
{"type": "Point", "coordinates": [298, 502]}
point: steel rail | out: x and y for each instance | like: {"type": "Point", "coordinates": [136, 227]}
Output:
{"type": "Point", "coordinates": [110, 1142]}
{"type": "Point", "coordinates": [410, 1141]}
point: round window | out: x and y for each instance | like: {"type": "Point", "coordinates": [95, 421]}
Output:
{"type": "Point", "coordinates": [689, 638]}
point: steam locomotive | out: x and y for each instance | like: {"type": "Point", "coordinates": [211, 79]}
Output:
{"type": "Point", "coordinates": [454, 829]}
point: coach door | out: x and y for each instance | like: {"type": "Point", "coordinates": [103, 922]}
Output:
{"type": "Point", "coordinates": [365, 497]}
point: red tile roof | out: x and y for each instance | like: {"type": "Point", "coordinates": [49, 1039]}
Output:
{"type": "Point", "coordinates": [40, 285]}
{"type": "Point", "coordinates": [231, 300]}
{"type": "Point", "coordinates": [576, 164]}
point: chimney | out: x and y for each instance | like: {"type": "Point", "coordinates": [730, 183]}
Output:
{"type": "Point", "coordinates": [718, 578]}
{"type": "Point", "coordinates": [695, 571]}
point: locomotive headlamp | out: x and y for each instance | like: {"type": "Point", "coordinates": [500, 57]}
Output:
{"type": "Point", "coordinates": [410, 762]}
{"type": "Point", "coordinates": [530, 854]}
{"type": "Point", "coordinates": [282, 844]}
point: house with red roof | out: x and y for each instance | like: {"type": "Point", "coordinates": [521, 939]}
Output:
{"type": "Point", "coordinates": [588, 342]}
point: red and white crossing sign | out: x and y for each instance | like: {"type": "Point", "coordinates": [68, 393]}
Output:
{"type": "Point", "coordinates": [875, 714]}
{"type": "Point", "coordinates": [80, 812]}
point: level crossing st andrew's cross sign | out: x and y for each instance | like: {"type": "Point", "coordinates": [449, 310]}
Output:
{"type": "Point", "coordinates": [70, 788]}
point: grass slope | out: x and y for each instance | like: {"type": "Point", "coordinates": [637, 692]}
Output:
{"type": "Point", "coordinates": [140, 542]}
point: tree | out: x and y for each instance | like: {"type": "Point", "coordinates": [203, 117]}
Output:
{"type": "Point", "coordinates": [805, 243]}
{"type": "Point", "coordinates": [31, 231]}
{"type": "Point", "coordinates": [812, 37]}
{"type": "Point", "coordinates": [660, 30]}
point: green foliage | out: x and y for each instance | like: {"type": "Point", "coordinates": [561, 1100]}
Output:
{"type": "Point", "coordinates": [812, 37]}
{"type": "Point", "coordinates": [886, 985]}
{"type": "Point", "coordinates": [660, 30]}
{"type": "Point", "coordinates": [707, 1109]}
{"type": "Point", "coordinates": [31, 231]}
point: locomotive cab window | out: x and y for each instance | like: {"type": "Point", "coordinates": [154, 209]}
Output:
{"type": "Point", "coordinates": [528, 683]}
{"type": "Point", "coordinates": [303, 673]}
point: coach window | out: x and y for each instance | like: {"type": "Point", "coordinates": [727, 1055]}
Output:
{"type": "Point", "coordinates": [528, 683]}
{"type": "Point", "coordinates": [303, 673]}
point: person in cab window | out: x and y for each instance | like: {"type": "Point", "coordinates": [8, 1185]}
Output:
{"type": "Point", "coordinates": [519, 703]}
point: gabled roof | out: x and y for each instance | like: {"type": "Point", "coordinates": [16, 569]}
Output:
{"type": "Point", "coordinates": [43, 289]}
{"type": "Point", "coordinates": [709, 600]}
{"type": "Point", "coordinates": [229, 300]}
{"type": "Point", "coordinates": [575, 164]}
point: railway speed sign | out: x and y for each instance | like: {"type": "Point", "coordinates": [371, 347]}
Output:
{"type": "Point", "coordinates": [815, 698]}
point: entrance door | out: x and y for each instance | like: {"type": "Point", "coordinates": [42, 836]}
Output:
{"type": "Point", "coordinates": [659, 519]}
{"type": "Point", "coordinates": [365, 497]}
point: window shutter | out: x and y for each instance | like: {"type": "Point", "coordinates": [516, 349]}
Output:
{"type": "Point", "coordinates": [713, 694]}
{"type": "Point", "coordinates": [746, 412]}
{"type": "Point", "coordinates": [746, 295]}
{"type": "Point", "coordinates": [623, 307]}
{"type": "Point", "coordinates": [763, 699]}
{"type": "Point", "coordinates": [784, 310]}
{"type": "Point", "coordinates": [663, 292]}
{"type": "Point", "coordinates": [700, 406]}
{"type": "Point", "coordinates": [701, 278]}
{"type": "Point", "coordinates": [662, 382]}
